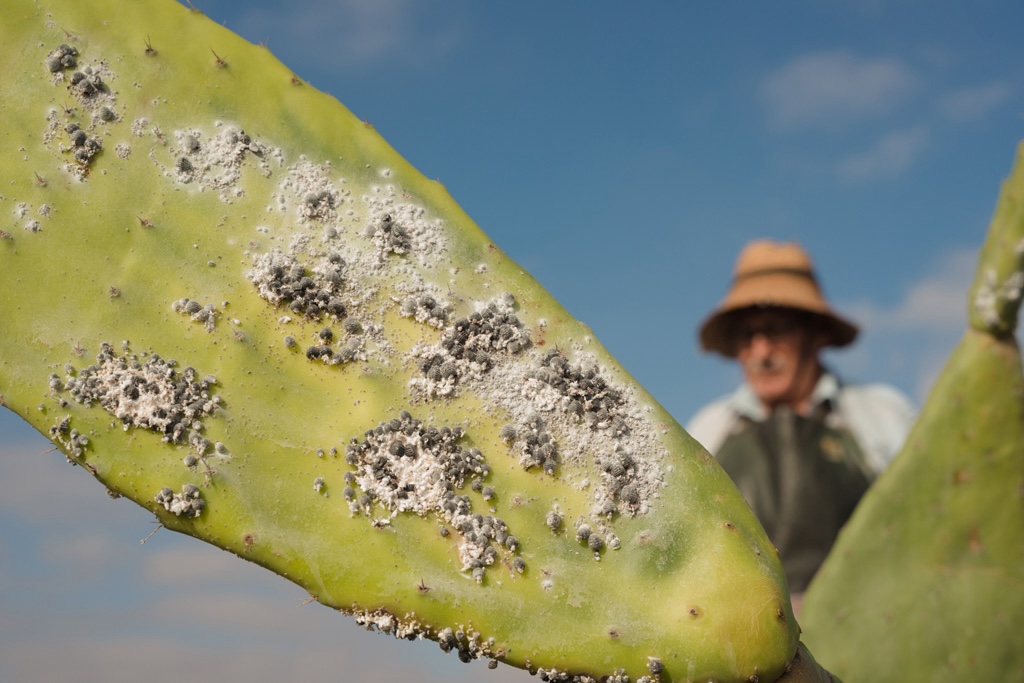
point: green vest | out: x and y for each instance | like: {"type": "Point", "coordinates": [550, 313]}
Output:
{"type": "Point", "coordinates": [802, 478]}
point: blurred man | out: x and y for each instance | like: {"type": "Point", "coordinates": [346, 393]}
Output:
{"type": "Point", "coordinates": [801, 445]}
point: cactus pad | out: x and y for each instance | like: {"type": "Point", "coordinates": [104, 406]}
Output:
{"type": "Point", "coordinates": [229, 300]}
{"type": "Point", "coordinates": [924, 584]}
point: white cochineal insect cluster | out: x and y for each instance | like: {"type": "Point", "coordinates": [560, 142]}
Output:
{"type": "Point", "coordinates": [466, 641]}
{"type": "Point", "coordinates": [426, 309]}
{"type": "Point", "coordinates": [197, 312]}
{"type": "Point", "coordinates": [994, 295]}
{"type": "Point", "coordinates": [313, 292]}
{"type": "Point", "coordinates": [586, 397]}
{"type": "Point", "coordinates": [535, 444]}
{"type": "Point", "coordinates": [214, 161]}
{"type": "Point", "coordinates": [148, 392]}
{"type": "Point", "coordinates": [469, 348]}
{"type": "Point", "coordinates": [86, 83]}
{"type": "Point", "coordinates": [72, 440]}
{"type": "Point", "coordinates": [403, 465]}
{"type": "Point", "coordinates": [188, 503]}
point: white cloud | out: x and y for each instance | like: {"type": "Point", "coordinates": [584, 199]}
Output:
{"type": "Point", "coordinates": [890, 156]}
{"type": "Point", "coordinates": [340, 33]}
{"type": "Point", "coordinates": [828, 88]}
{"type": "Point", "coordinates": [907, 343]}
{"type": "Point", "coordinates": [937, 303]}
{"type": "Point", "coordinates": [972, 104]}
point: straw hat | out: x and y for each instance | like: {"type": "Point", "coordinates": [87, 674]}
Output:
{"type": "Point", "coordinates": [770, 274]}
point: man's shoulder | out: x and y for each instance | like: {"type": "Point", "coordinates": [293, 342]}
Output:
{"type": "Point", "coordinates": [712, 423]}
{"type": "Point", "coordinates": [876, 396]}
{"type": "Point", "coordinates": [880, 416]}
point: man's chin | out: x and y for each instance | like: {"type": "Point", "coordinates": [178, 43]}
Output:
{"type": "Point", "coordinates": [768, 387]}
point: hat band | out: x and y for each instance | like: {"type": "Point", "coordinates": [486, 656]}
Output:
{"type": "Point", "coordinates": [798, 272]}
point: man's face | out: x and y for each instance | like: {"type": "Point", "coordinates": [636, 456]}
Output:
{"type": "Point", "coordinates": [778, 351]}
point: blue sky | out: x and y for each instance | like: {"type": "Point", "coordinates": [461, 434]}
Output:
{"type": "Point", "coordinates": [623, 154]}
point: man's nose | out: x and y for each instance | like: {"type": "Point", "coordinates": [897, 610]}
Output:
{"type": "Point", "coordinates": [760, 344]}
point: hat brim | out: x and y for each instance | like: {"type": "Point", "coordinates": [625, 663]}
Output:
{"type": "Point", "coordinates": [717, 333]}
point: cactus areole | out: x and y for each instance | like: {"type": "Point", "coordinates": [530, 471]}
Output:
{"type": "Point", "coordinates": [229, 300]}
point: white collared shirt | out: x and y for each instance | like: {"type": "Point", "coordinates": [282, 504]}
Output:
{"type": "Point", "coordinates": [877, 415]}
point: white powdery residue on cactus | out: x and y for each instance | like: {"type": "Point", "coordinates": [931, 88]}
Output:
{"type": "Point", "coordinates": [359, 290]}
{"type": "Point", "coordinates": [215, 161]}
{"type": "Point", "coordinates": [188, 503]}
{"type": "Point", "coordinates": [553, 399]}
{"type": "Point", "coordinates": [419, 472]}
{"type": "Point", "coordinates": [314, 292]}
{"type": "Point", "coordinates": [72, 441]}
{"type": "Point", "coordinates": [466, 641]}
{"type": "Point", "coordinates": [469, 644]}
{"type": "Point", "coordinates": [541, 396]}
{"type": "Point", "coordinates": [309, 187]}
{"type": "Point", "coordinates": [267, 270]}
{"type": "Point", "coordinates": [560, 412]}
{"type": "Point", "coordinates": [21, 212]}
{"type": "Point", "coordinates": [299, 243]}
{"type": "Point", "coordinates": [53, 126]}
{"type": "Point", "coordinates": [424, 304]}
{"type": "Point", "coordinates": [324, 287]}
{"type": "Point", "coordinates": [402, 228]}
{"type": "Point", "coordinates": [408, 627]}
{"type": "Point", "coordinates": [88, 84]}
{"type": "Point", "coordinates": [381, 620]}
{"type": "Point", "coordinates": [470, 347]}
{"type": "Point", "coordinates": [405, 466]}
{"type": "Point", "coordinates": [1013, 285]}
{"type": "Point", "coordinates": [148, 394]}
{"type": "Point", "coordinates": [442, 374]}
{"type": "Point", "coordinates": [140, 127]}
{"type": "Point", "coordinates": [992, 296]}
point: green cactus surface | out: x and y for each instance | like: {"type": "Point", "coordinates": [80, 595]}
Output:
{"type": "Point", "coordinates": [926, 582]}
{"type": "Point", "coordinates": [229, 300]}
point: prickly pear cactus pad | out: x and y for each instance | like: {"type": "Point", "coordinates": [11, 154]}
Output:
{"type": "Point", "coordinates": [229, 300]}
{"type": "Point", "coordinates": [925, 583]}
